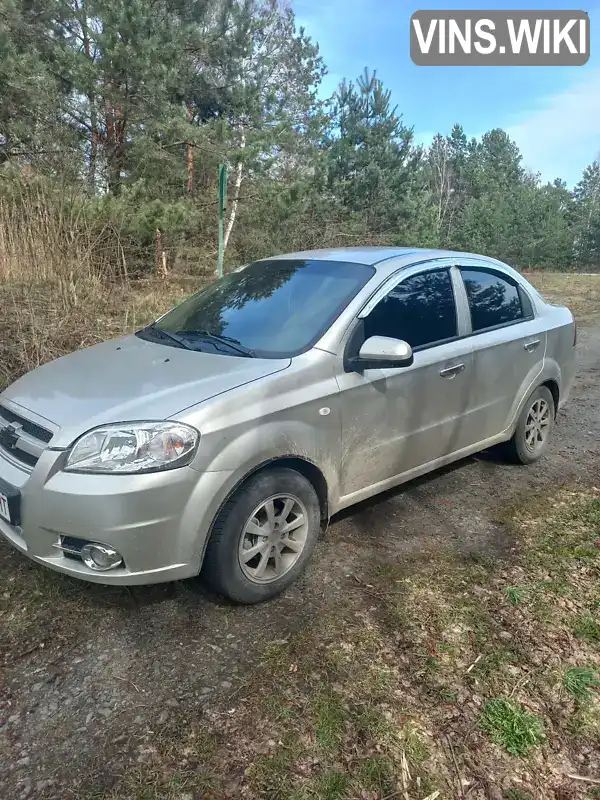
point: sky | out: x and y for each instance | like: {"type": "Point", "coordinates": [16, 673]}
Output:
{"type": "Point", "coordinates": [552, 113]}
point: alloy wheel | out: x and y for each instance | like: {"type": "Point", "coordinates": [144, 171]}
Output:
{"type": "Point", "coordinates": [537, 425]}
{"type": "Point", "coordinates": [273, 538]}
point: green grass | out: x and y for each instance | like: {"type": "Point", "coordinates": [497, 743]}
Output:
{"type": "Point", "coordinates": [511, 726]}
{"type": "Point", "coordinates": [380, 682]}
{"type": "Point", "coordinates": [514, 594]}
{"type": "Point", "coordinates": [414, 745]}
{"type": "Point", "coordinates": [278, 710]}
{"type": "Point", "coordinates": [272, 773]}
{"type": "Point", "coordinates": [586, 627]}
{"type": "Point", "coordinates": [516, 794]}
{"type": "Point", "coordinates": [332, 786]}
{"type": "Point", "coordinates": [373, 725]}
{"type": "Point", "coordinates": [329, 719]}
{"type": "Point", "coordinates": [376, 773]}
{"type": "Point", "coordinates": [581, 682]}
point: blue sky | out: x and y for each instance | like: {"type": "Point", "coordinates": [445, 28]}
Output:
{"type": "Point", "coordinates": [553, 113]}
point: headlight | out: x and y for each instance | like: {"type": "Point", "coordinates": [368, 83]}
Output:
{"type": "Point", "coordinates": [134, 447]}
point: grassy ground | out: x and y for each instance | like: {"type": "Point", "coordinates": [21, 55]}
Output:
{"type": "Point", "coordinates": [581, 293]}
{"type": "Point", "coordinates": [453, 680]}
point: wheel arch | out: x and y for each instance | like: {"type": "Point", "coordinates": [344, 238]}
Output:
{"type": "Point", "coordinates": [303, 466]}
{"type": "Point", "coordinates": [554, 389]}
{"type": "Point", "coordinates": [309, 470]}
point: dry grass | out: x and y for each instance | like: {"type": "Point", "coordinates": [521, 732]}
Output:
{"type": "Point", "coordinates": [64, 284]}
{"type": "Point", "coordinates": [463, 679]}
{"type": "Point", "coordinates": [46, 236]}
{"type": "Point", "coordinates": [52, 310]}
{"type": "Point", "coordinates": [581, 293]}
{"type": "Point", "coordinates": [43, 322]}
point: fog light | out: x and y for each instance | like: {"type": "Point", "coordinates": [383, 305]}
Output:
{"type": "Point", "coordinates": [99, 557]}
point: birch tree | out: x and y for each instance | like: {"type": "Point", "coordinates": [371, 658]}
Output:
{"type": "Point", "coordinates": [273, 71]}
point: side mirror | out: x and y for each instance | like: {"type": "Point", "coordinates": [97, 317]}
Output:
{"type": "Point", "coordinates": [383, 352]}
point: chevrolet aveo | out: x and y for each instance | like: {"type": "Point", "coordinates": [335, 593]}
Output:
{"type": "Point", "coordinates": [221, 438]}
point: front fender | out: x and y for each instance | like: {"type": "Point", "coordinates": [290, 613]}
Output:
{"type": "Point", "coordinates": [250, 449]}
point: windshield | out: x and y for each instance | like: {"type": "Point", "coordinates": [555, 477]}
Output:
{"type": "Point", "coordinates": [273, 309]}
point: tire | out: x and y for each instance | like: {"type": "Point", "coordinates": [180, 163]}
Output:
{"type": "Point", "coordinates": [227, 568]}
{"type": "Point", "coordinates": [518, 449]}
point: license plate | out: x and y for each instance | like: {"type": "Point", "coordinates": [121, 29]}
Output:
{"type": "Point", "coordinates": [4, 509]}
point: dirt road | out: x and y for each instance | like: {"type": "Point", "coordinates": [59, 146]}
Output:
{"type": "Point", "coordinates": [87, 672]}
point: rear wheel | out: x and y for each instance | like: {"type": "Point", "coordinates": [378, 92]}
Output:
{"type": "Point", "coordinates": [534, 428]}
{"type": "Point", "coordinates": [263, 537]}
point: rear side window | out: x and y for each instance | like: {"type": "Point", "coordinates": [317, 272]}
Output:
{"type": "Point", "coordinates": [420, 310]}
{"type": "Point", "coordinates": [494, 300]}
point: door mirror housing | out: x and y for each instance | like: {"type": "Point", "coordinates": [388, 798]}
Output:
{"type": "Point", "coordinates": [383, 352]}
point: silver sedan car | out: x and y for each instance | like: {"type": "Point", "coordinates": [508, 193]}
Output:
{"type": "Point", "coordinates": [221, 438]}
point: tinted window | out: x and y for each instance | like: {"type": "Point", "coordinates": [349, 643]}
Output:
{"type": "Point", "coordinates": [419, 310]}
{"type": "Point", "coordinates": [276, 308]}
{"type": "Point", "coordinates": [492, 299]}
{"type": "Point", "coordinates": [526, 304]}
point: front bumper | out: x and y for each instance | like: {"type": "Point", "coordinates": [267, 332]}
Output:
{"type": "Point", "coordinates": [158, 522]}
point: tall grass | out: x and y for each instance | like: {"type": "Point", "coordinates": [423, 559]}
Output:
{"type": "Point", "coordinates": [48, 235]}
{"type": "Point", "coordinates": [63, 280]}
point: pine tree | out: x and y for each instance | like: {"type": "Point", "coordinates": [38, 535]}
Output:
{"type": "Point", "coordinates": [587, 218]}
{"type": "Point", "coordinates": [373, 165]}
{"type": "Point", "coordinates": [32, 96]}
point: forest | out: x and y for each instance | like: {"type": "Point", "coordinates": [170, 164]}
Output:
{"type": "Point", "coordinates": [114, 118]}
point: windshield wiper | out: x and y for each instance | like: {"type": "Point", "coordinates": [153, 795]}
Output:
{"type": "Point", "coordinates": [180, 339]}
{"type": "Point", "coordinates": [165, 334]}
{"type": "Point", "coordinates": [227, 340]}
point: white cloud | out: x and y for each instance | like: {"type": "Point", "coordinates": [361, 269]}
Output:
{"type": "Point", "coordinates": [561, 135]}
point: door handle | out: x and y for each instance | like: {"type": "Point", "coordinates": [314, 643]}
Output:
{"type": "Point", "coordinates": [530, 346]}
{"type": "Point", "coordinates": [451, 372]}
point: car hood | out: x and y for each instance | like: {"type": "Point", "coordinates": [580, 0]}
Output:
{"type": "Point", "coordinates": [128, 379]}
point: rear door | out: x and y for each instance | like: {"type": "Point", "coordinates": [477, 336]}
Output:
{"type": "Point", "coordinates": [508, 342]}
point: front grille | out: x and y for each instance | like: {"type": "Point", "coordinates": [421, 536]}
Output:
{"type": "Point", "coordinates": [25, 457]}
{"type": "Point", "coordinates": [32, 438]}
{"type": "Point", "coordinates": [29, 427]}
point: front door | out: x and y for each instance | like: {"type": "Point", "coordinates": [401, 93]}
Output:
{"type": "Point", "coordinates": [396, 420]}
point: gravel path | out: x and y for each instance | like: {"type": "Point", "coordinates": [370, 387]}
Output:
{"type": "Point", "coordinates": [84, 701]}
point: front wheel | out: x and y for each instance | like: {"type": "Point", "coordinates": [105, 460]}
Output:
{"type": "Point", "coordinates": [534, 428]}
{"type": "Point", "coordinates": [263, 537]}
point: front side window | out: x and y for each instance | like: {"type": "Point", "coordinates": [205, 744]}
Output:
{"type": "Point", "coordinates": [493, 300]}
{"type": "Point", "coordinates": [420, 310]}
{"type": "Point", "coordinates": [273, 309]}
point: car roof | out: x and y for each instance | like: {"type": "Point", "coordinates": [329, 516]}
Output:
{"type": "Point", "coordinates": [374, 256]}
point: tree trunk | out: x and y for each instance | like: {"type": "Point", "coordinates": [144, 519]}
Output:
{"type": "Point", "coordinates": [115, 145]}
{"type": "Point", "coordinates": [239, 174]}
{"type": "Point", "coordinates": [160, 257]}
{"type": "Point", "coordinates": [110, 146]}
{"type": "Point", "coordinates": [190, 156]}
{"type": "Point", "coordinates": [91, 100]}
